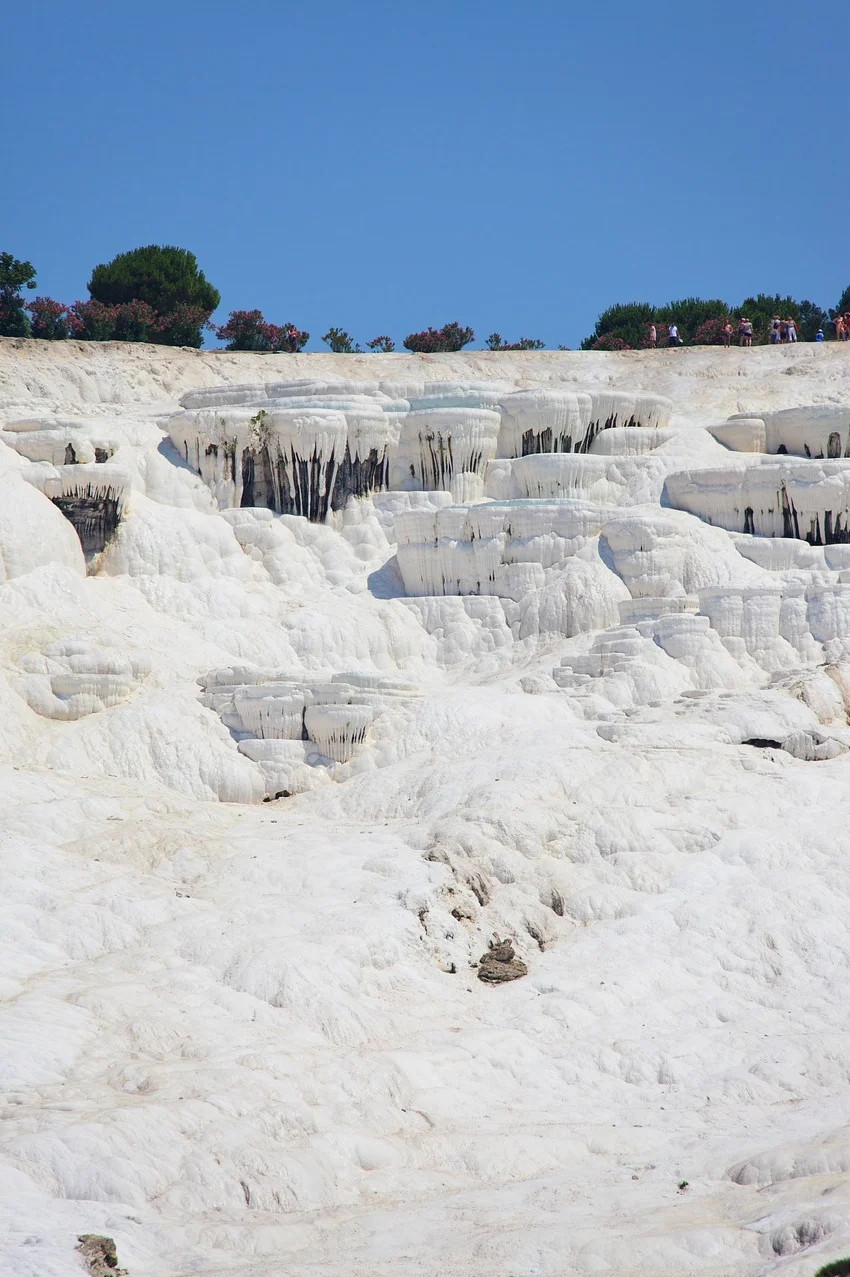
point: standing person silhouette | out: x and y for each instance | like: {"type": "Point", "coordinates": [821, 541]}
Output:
{"type": "Point", "coordinates": [672, 335]}
{"type": "Point", "coordinates": [653, 337]}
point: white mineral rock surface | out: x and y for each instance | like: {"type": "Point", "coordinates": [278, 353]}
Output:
{"type": "Point", "coordinates": [546, 647]}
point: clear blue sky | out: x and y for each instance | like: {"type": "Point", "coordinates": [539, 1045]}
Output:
{"type": "Point", "coordinates": [382, 165]}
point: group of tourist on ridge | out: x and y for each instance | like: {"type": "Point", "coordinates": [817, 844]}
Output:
{"type": "Point", "coordinates": [158, 294]}
{"type": "Point", "coordinates": [782, 332]}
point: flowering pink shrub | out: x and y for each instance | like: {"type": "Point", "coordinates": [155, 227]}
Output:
{"type": "Point", "coordinates": [287, 339]}
{"type": "Point", "coordinates": [91, 321]}
{"type": "Point", "coordinates": [609, 342]}
{"type": "Point", "coordinates": [48, 319]}
{"type": "Point", "coordinates": [710, 333]}
{"type": "Point", "coordinates": [382, 345]}
{"type": "Point", "coordinates": [431, 341]}
{"type": "Point", "coordinates": [135, 321]}
{"type": "Point", "coordinates": [247, 330]}
{"type": "Point", "coordinates": [182, 326]}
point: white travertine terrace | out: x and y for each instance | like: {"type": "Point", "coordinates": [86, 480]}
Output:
{"type": "Point", "coordinates": [337, 729]}
{"type": "Point", "coordinates": [308, 448]}
{"type": "Point", "coordinates": [60, 440]}
{"type": "Point", "coordinates": [289, 726]}
{"type": "Point", "coordinates": [610, 480]}
{"type": "Point", "coordinates": [446, 449]}
{"type": "Point", "coordinates": [814, 431]}
{"type": "Point", "coordinates": [71, 679]}
{"type": "Point", "coordinates": [499, 547]}
{"type": "Point", "coordinates": [241, 922]}
{"type": "Point", "coordinates": [770, 496]}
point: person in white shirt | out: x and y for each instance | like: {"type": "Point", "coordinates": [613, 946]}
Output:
{"type": "Point", "coordinates": [672, 335]}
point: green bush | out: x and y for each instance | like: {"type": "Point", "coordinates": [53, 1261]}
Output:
{"type": "Point", "coordinates": [245, 330]}
{"type": "Point", "coordinates": [168, 280]}
{"type": "Point", "coordinates": [809, 319]}
{"type": "Point", "coordinates": [14, 275]}
{"type": "Point", "coordinates": [761, 309]}
{"type": "Point", "coordinates": [629, 322]}
{"type": "Point", "coordinates": [494, 342]}
{"type": "Point", "coordinates": [710, 332]}
{"type": "Point", "coordinates": [843, 305]}
{"type": "Point", "coordinates": [838, 1268]}
{"type": "Point", "coordinates": [689, 314]}
{"type": "Point", "coordinates": [164, 277]}
{"type": "Point", "coordinates": [696, 317]}
{"type": "Point", "coordinates": [340, 342]}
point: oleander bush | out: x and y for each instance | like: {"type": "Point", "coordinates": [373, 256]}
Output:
{"type": "Point", "coordinates": [433, 341]}
{"type": "Point", "coordinates": [710, 332]}
{"type": "Point", "coordinates": [495, 342]}
{"type": "Point", "coordinates": [245, 330]}
{"type": "Point", "coordinates": [183, 326]}
{"type": "Point", "coordinates": [610, 341]}
{"type": "Point", "coordinates": [135, 321]}
{"type": "Point", "coordinates": [248, 330]}
{"type": "Point", "coordinates": [340, 342]}
{"type": "Point", "coordinates": [288, 339]}
{"type": "Point", "coordinates": [92, 321]}
{"type": "Point", "coordinates": [48, 319]}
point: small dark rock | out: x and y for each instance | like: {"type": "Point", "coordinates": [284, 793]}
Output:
{"type": "Point", "coordinates": [100, 1255]}
{"type": "Point", "coordinates": [500, 964]}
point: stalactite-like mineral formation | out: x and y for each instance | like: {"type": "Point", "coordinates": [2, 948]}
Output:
{"type": "Point", "coordinates": [770, 496]}
{"type": "Point", "coordinates": [307, 448]}
{"type": "Point", "coordinates": [91, 497]}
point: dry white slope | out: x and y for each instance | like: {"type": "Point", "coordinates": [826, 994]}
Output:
{"type": "Point", "coordinates": [248, 1039]}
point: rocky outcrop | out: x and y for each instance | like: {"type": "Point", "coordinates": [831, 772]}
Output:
{"type": "Point", "coordinates": [100, 1256]}
{"type": "Point", "coordinates": [500, 964]}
